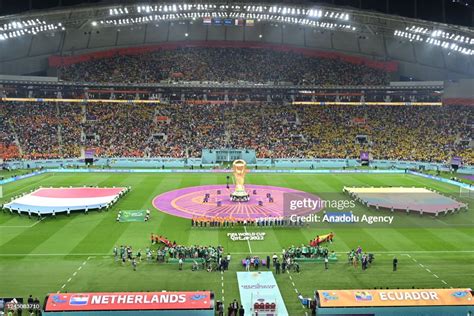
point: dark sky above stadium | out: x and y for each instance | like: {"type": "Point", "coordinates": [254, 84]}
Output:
{"type": "Point", "coordinates": [458, 12]}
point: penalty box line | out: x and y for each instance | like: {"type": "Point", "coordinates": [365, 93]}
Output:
{"type": "Point", "coordinates": [422, 266]}
{"type": "Point", "coordinates": [295, 289]}
{"type": "Point", "coordinates": [75, 273]}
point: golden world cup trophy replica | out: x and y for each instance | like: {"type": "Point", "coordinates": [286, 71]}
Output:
{"type": "Point", "coordinates": [239, 170]}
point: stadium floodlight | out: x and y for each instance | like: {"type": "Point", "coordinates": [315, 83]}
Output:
{"type": "Point", "coordinates": [259, 13]}
{"type": "Point", "coordinates": [94, 23]}
{"type": "Point", "coordinates": [448, 42]}
{"type": "Point", "coordinates": [436, 33]}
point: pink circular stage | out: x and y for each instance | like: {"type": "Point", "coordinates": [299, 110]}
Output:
{"type": "Point", "coordinates": [265, 201]}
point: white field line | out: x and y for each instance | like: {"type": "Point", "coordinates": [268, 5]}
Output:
{"type": "Point", "coordinates": [75, 273]}
{"type": "Point", "coordinates": [427, 270]}
{"type": "Point", "coordinates": [23, 188]}
{"type": "Point", "coordinates": [294, 286]}
{"type": "Point", "coordinates": [248, 241]}
{"type": "Point", "coordinates": [25, 226]}
{"type": "Point", "coordinates": [222, 283]}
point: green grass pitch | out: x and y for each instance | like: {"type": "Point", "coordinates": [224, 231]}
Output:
{"type": "Point", "coordinates": [74, 253]}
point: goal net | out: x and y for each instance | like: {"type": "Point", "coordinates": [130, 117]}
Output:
{"type": "Point", "coordinates": [466, 192]}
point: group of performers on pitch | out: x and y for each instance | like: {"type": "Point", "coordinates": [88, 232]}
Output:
{"type": "Point", "coordinates": [125, 253]}
{"type": "Point", "coordinates": [287, 261]}
{"type": "Point", "coordinates": [212, 258]}
{"type": "Point", "coordinates": [217, 221]}
{"type": "Point", "coordinates": [354, 257]}
{"type": "Point", "coordinates": [208, 258]}
{"type": "Point", "coordinates": [314, 249]}
{"type": "Point", "coordinates": [176, 251]}
{"type": "Point", "coordinates": [320, 239]}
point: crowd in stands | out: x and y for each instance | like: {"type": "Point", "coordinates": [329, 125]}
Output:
{"type": "Point", "coordinates": [36, 127]}
{"type": "Point", "coordinates": [8, 147]}
{"type": "Point", "coordinates": [223, 65]}
{"type": "Point", "coordinates": [394, 132]}
{"type": "Point", "coordinates": [274, 130]}
{"type": "Point", "coordinates": [40, 130]}
{"type": "Point", "coordinates": [116, 130]}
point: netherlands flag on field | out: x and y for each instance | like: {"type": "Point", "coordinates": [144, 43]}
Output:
{"type": "Point", "coordinates": [49, 200]}
{"type": "Point", "coordinates": [79, 299]}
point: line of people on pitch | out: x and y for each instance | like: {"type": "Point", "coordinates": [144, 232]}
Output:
{"type": "Point", "coordinates": [357, 256]}
{"type": "Point", "coordinates": [179, 251]}
{"type": "Point", "coordinates": [213, 258]}
{"type": "Point", "coordinates": [231, 222]}
{"type": "Point", "coordinates": [283, 264]}
{"type": "Point", "coordinates": [174, 250]}
{"type": "Point", "coordinates": [308, 252]}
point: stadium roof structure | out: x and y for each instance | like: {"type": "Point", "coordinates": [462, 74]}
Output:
{"type": "Point", "coordinates": [426, 50]}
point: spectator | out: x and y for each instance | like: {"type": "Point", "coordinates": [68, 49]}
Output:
{"type": "Point", "coordinates": [224, 65]}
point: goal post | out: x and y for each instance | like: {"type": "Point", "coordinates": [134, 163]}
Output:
{"type": "Point", "coordinates": [466, 192]}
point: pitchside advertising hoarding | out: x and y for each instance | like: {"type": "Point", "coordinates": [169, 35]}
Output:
{"type": "Point", "coordinates": [391, 298]}
{"type": "Point", "coordinates": [129, 301]}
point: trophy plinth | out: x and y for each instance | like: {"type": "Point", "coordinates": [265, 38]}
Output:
{"type": "Point", "coordinates": [239, 170]}
{"type": "Point", "coordinates": [239, 196]}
